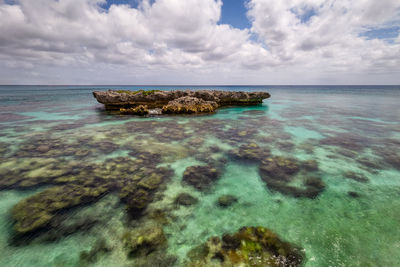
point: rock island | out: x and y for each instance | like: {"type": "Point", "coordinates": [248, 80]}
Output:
{"type": "Point", "coordinates": [143, 102]}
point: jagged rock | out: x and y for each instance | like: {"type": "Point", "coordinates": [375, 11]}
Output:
{"type": "Point", "coordinates": [185, 199]}
{"type": "Point", "coordinates": [189, 105]}
{"type": "Point", "coordinates": [226, 200]}
{"type": "Point", "coordinates": [155, 111]}
{"type": "Point", "coordinates": [117, 99]}
{"type": "Point", "coordinates": [200, 177]}
{"type": "Point", "coordinates": [250, 246]}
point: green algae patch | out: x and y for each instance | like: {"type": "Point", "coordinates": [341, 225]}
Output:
{"type": "Point", "coordinates": [250, 246]}
{"type": "Point", "coordinates": [144, 240]}
{"type": "Point", "coordinates": [143, 92]}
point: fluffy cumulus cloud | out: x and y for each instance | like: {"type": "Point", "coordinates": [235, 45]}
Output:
{"type": "Point", "coordinates": [184, 42]}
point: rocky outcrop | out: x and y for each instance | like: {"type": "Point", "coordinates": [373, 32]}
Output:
{"type": "Point", "coordinates": [175, 102]}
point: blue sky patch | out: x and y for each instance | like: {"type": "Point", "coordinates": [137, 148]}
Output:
{"type": "Point", "coordinates": [132, 3]}
{"type": "Point", "coordinates": [304, 14]}
{"type": "Point", "coordinates": [386, 33]}
{"type": "Point", "coordinates": [234, 13]}
{"type": "Point", "coordinates": [10, 2]}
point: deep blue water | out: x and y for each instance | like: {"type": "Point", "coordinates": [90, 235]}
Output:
{"type": "Point", "coordinates": [51, 135]}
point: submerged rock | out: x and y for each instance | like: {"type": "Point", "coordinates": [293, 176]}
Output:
{"type": "Point", "coordinates": [251, 152]}
{"type": "Point", "coordinates": [279, 172]}
{"type": "Point", "coordinates": [37, 211]}
{"type": "Point", "coordinates": [99, 248]}
{"type": "Point", "coordinates": [136, 181]}
{"type": "Point", "coordinates": [200, 177]}
{"type": "Point", "coordinates": [141, 242]}
{"type": "Point", "coordinates": [187, 101]}
{"type": "Point", "coordinates": [355, 176]}
{"type": "Point", "coordinates": [250, 246]}
{"type": "Point", "coordinates": [226, 200]}
{"type": "Point", "coordinates": [353, 194]}
{"type": "Point", "coordinates": [185, 199]}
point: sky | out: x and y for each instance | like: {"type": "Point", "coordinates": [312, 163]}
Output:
{"type": "Point", "coordinates": [199, 42]}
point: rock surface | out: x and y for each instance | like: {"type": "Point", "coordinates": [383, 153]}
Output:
{"type": "Point", "coordinates": [139, 110]}
{"type": "Point", "coordinates": [189, 105]}
{"type": "Point", "coordinates": [179, 101]}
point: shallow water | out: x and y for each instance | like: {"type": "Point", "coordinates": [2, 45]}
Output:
{"type": "Point", "coordinates": [344, 129]}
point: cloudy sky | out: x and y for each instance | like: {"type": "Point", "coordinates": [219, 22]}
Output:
{"type": "Point", "coordinates": [199, 42]}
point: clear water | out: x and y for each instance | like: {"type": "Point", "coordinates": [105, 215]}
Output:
{"type": "Point", "coordinates": [344, 129]}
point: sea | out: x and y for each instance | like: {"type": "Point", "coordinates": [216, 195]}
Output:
{"type": "Point", "coordinates": [54, 138]}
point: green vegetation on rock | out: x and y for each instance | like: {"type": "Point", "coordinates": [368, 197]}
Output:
{"type": "Point", "coordinates": [250, 246]}
{"type": "Point", "coordinates": [144, 92]}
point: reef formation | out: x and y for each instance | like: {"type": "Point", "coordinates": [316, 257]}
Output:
{"type": "Point", "coordinates": [174, 102]}
{"type": "Point", "coordinates": [250, 246]}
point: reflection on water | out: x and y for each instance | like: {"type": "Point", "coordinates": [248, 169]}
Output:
{"type": "Point", "coordinates": [320, 167]}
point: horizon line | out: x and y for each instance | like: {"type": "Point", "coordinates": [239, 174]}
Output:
{"type": "Point", "coordinates": [202, 85]}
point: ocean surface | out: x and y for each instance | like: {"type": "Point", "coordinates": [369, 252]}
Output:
{"type": "Point", "coordinates": [53, 138]}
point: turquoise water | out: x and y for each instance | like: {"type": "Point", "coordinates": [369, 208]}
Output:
{"type": "Point", "coordinates": [51, 135]}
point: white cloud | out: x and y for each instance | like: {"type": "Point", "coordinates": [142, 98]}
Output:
{"type": "Point", "coordinates": [175, 41]}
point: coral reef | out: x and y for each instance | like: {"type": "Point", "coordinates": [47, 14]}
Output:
{"type": "Point", "coordinates": [99, 248]}
{"type": "Point", "coordinates": [279, 172]}
{"type": "Point", "coordinates": [355, 176]}
{"type": "Point", "coordinates": [200, 177]}
{"type": "Point", "coordinates": [185, 199]}
{"type": "Point", "coordinates": [37, 211]}
{"type": "Point", "coordinates": [136, 181]}
{"type": "Point", "coordinates": [251, 152]}
{"type": "Point", "coordinates": [141, 242]}
{"type": "Point", "coordinates": [250, 246]}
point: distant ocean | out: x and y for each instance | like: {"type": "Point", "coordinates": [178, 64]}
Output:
{"type": "Point", "coordinates": [342, 208]}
